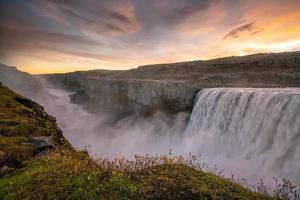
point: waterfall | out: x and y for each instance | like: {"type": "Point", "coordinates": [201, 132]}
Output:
{"type": "Point", "coordinates": [255, 131]}
{"type": "Point", "coordinates": [251, 133]}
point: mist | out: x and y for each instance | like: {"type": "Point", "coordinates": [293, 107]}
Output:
{"type": "Point", "coordinates": [127, 137]}
{"type": "Point", "coordinates": [156, 135]}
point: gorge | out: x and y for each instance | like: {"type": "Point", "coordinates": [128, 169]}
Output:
{"type": "Point", "coordinates": [241, 114]}
{"type": "Point", "coordinates": [251, 133]}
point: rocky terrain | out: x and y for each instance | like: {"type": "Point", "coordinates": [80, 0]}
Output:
{"type": "Point", "coordinates": [173, 86]}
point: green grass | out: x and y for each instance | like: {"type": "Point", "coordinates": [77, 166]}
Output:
{"type": "Point", "coordinates": [20, 116]}
{"type": "Point", "coordinates": [20, 119]}
{"type": "Point", "coordinates": [13, 152]}
{"type": "Point", "coordinates": [66, 175]}
{"type": "Point", "coordinates": [73, 175]}
{"type": "Point", "coordinates": [17, 119]}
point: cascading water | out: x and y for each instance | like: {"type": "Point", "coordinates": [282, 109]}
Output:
{"type": "Point", "coordinates": [255, 132]}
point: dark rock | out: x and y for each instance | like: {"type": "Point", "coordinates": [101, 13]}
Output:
{"type": "Point", "coordinates": [40, 143]}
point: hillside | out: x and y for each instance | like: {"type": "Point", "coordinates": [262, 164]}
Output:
{"type": "Point", "coordinates": [25, 129]}
{"type": "Point", "coordinates": [38, 163]}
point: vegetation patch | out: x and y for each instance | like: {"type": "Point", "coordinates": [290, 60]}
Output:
{"type": "Point", "coordinates": [20, 120]}
{"type": "Point", "coordinates": [13, 152]}
{"type": "Point", "coordinates": [65, 174]}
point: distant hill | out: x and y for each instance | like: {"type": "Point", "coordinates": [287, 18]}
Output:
{"type": "Point", "coordinates": [258, 70]}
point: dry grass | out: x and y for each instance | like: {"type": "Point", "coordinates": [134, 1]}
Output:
{"type": "Point", "coordinates": [283, 189]}
{"type": "Point", "coordinates": [65, 174]}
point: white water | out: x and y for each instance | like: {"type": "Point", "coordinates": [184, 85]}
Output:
{"type": "Point", "coordinates": [251, 133]}
{"type": "Point", "coordinates": [254, 132]}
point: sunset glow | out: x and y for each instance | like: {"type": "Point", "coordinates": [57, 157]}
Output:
{"type": "Point", "coordinates": [50, 36]}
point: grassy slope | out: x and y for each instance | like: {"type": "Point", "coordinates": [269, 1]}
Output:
{"type": "Point", "coordinates": [20, 119]}
{"type": "Point", "coordinates": [73, 175]}
{"type": "Point", "coordinates": [63, 173]}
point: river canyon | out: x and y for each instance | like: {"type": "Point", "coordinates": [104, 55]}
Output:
{"type": "Point", "coordinates": [244, 120]}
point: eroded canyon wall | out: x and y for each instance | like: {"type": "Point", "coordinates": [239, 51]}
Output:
{"type": "Point", "coordinates": [173, 86]}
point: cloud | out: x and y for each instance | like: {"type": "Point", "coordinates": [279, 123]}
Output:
{"type": "Point", "coordinates": [74, 14]}
{"type": "Point", "coordinates": [183, 9]}
{"type": "Point", "coordinates": [120, 17]}
{"type": "Point", "coordinates": [41, 35]}
{"type": "Point", "coordinates": [13, 38]}
{"type": "Point", "coordinates": [235, 33]}
{"type": "Point", "coordinates": [88, 55]}
{"type": "Point", "coordinates": [99, 17]}
{"type": "Point", "coordinates": [49, 46]}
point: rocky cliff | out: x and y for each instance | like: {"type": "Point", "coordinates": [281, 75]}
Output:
{"type": "Point", "coordinates": [131, 95]}
{"type": "Point", "coordinates": [173, 86]}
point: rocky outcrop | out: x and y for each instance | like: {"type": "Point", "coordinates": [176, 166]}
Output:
{"type": "Point", "coordinates": [173, 86]}
{"type": "Point", "coordinates": [40, 143]}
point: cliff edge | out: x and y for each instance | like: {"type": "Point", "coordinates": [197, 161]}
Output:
{"type": "Point", "coordinates": [173, 86]}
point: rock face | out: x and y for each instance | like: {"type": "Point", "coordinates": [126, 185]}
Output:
{"type": "Point", "coordinates": [40, 143]}
{"type": "Point", "coordinates": [141, 96]}
{"type": "Point", "coordinates": [173, 86]}
{"type": "Point", "coordinates": [132, 96]}
{"type": "Point", "coordinates": [98, 92]}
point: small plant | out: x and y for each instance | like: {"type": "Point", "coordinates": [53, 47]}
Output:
{"type": "Point", "coordinates": [283, 189]}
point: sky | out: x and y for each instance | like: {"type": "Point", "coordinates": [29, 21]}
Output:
{"type": "Point", "coordinates": [56, 36]}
